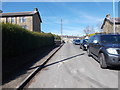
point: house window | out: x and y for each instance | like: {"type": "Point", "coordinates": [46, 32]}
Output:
{"type": "Point", "coordinates": [22, 19]}
{"type": "Point", "coordinates": [12, 19]}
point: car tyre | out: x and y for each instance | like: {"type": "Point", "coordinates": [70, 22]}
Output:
{"type": "Point", "coordinates": [88, 52]}
{"type": "Point", "coordinates": [83, 48]}
{"type": "Point", "coordinates": [102, 61]}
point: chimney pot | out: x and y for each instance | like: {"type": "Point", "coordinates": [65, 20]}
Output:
{"type": "Point", "coordinates": [36, 9]}
{"type": "Point", "coordinates": [108, 16]}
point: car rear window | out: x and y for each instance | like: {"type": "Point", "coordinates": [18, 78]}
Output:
{"type": "Point", "coordinates": [77, 40]}
{"type": "Point", "coordinates": [110, 39]}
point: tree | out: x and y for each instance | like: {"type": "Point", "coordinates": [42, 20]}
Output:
{"type": "Point", "coordinates": [99, 27]}
{"type": "Point", "coordinates": [89, 29]}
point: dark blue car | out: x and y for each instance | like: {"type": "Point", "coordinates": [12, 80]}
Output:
{"type": "Point", "coordinates": [76, 41]}
{"type": "Point", "coordinates": [105, 48]}
{"type": "Point", "coordinates": [83, 44]}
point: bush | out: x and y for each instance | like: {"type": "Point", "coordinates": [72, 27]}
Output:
{"type": "Point", "coordinates": [16, 40]}
{"type": "Point", "coordinates": [57, 37]}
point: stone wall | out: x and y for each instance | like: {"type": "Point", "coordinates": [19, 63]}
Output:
{"type": "Point", "coordinates": [108, 28]}
{"type": "Point", "coordinates": [36, 23]}
{"type": "Point", "coordinates": [28, 21]}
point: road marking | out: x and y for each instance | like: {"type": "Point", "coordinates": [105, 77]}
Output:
{"type": "Point", "coordinates": [60, 64]}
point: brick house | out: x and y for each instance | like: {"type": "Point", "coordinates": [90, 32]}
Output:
{"type": "Point", "coordinates": [29, 20]}
{"type": "Point", "coordinates": [108, 23]}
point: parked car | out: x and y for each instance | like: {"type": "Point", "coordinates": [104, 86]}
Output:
{"type": "Point", "coordinates": [76, 41]}
{"type": "Point", "coordinates": [73, 41]}
{"type": "Point", "coordinates": [105, 48]}
{"type": "Point", "coordinates": [83, 44]}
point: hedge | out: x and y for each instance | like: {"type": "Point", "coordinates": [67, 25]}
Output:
{"type": "Point", "coordinates": [17, 40]}
{"type": "Point", "coordinates": [57, 37]}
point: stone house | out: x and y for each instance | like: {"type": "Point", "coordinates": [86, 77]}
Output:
{"type": "Point", "coordinates": [108, 24]}
{"type": "Point", "coordinates": [29, 20]}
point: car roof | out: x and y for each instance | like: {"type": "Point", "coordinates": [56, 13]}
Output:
{"type": "Point", "coordinates": [105, 34]}
{"type": "Point", "coordinates": [84, 39]}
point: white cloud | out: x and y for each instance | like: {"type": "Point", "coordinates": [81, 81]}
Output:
{"type": "Point", "coordinates": [92, 19]}
{"type": "Point", "coordinates": [69, 30]}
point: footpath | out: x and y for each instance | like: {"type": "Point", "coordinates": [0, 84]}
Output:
{"type": "Point", "coordinates": [24, 75]}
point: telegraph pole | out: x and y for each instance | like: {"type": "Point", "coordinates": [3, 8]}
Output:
{"type": "Point", "coordinates": [61, 27]}
{"type": "Point", "coordinates": [114, 16]}
{"type": "Point", "coordinates": [61, 30]}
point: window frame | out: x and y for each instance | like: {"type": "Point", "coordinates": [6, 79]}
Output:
{"type": "Point", "coordinates": [22, 19]}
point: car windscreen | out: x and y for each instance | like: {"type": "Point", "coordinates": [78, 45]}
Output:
{"type": "Point", "coordinates": [85, 40]}
{"type": "Point", "coordinates": [77, 40]}
{"type": "Point", "coordinates": [110, 39]}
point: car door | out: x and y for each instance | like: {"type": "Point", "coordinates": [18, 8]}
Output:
{"type": "Point", "coordinates": [90, 43]}
{"type": "Point", "coordinates": [96, 45]}
{"type": "Point", "coordinates": [81, 43]}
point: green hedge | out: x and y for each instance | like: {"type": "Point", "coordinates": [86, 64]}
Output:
{"type": "Point", "coordinates": [16, 40]}
{"type": "Point", "coordinates": [57, 37]}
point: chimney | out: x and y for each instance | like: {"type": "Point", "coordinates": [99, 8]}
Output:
{"type": "Point", "coordinates": [35, 10]}
{"type": "Point", "coordinates": [108, 16]}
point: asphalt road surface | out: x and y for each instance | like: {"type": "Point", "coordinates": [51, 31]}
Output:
{"type": "Point", "coordinates": [70, 67]}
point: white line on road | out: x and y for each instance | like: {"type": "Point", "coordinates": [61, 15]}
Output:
{"type": "Point", "coordinates": [60, 64]}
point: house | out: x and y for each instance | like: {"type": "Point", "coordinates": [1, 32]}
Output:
{"type": "Point", "coordinates": [29, 20]}
{"type": "Point", "coordinates": [108, 24]}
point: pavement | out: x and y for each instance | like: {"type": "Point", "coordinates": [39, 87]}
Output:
{"type": "Point", "coordinates": [20, 81]}
{"type": "Point", "coordinates": [72, 68]}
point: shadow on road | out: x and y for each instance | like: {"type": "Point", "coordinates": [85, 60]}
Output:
{"type": "Point", "coordinates": [58, 61]}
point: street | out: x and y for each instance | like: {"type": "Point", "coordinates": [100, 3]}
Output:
{"type": "Point", "coordinates": [70, 67]}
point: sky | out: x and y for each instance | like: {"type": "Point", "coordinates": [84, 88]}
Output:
{"type": "Point", "coordinates": [75, 15]}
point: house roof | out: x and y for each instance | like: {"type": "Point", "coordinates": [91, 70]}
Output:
{"type": "Point", "coordinates": [117, 20]}
{"type": "Point", "coordinates": [111, 21]}
{"type": "Point", "coordinates": [15, 14]}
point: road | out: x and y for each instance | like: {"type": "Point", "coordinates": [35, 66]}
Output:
{"type": "Point", "coordinates": [70, 67]}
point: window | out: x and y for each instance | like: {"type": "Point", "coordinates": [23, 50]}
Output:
{"type": "Point", "coordinates": [96, 39]}
{"type": "Point", "coordinates": [22, 19]}
{"type": "Point", "coordinates": [13, 20]}
{"type": "Point", "coordinates": [110, 39]}
{"type": "Point", "coordinates": [91, 39]}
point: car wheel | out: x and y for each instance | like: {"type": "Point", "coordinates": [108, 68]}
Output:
{"type": "Point", "coordinates": [102, 61]}
{"type": "Point", "coordinates": [88, 52]}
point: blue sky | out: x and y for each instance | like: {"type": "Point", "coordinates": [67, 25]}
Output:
{"type": "Point", "coordinates": [75, 15]}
